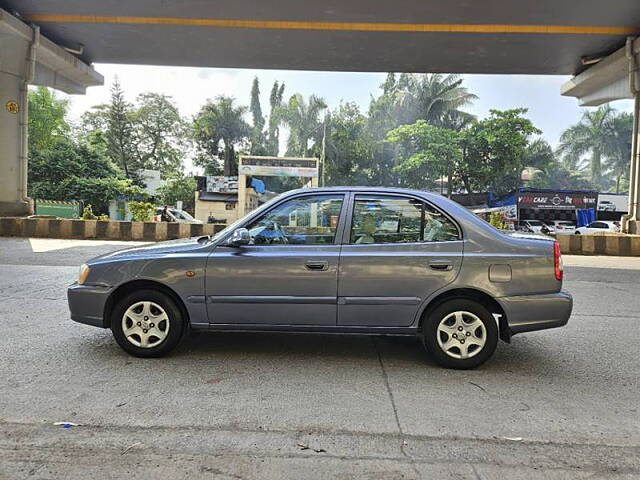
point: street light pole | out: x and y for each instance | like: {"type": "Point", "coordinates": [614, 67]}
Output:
{"type": "Point", "coordinates": [324, 149]}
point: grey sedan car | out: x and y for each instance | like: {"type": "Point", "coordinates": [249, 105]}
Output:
{"type": "Point", "coordinates": [340, 260]}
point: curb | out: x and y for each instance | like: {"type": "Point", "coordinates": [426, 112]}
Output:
{"type": "Point", "coordinates": [102, 230]}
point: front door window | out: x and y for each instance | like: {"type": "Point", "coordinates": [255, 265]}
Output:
{"type": "Point", "coordinates": [310, 220]}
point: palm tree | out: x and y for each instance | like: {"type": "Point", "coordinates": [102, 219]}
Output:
{"type": "Point", "coordinates": [303, 120]}
{"type": "Point", "coordinates": [436, 98]}
{"type": "Point", "coordinates": [221, 121]}
{"type": "Point", "coordinates": [588, 137]}
{"type": "Point", "coordinates": [620, 131]}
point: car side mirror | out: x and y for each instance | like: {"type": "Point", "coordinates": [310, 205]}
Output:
{"type": "Point", "coordinates": [239, 237]}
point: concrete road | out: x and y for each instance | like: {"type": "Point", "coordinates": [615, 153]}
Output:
{"type": "Point", "coordinates": [557, 404]}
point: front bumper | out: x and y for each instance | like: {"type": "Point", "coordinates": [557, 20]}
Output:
{"type": "Point", "coordinates": [528, 313]}
{"type": "Point", "coordinates": [87, 302]}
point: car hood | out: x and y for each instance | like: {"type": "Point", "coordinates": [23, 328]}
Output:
{"type": "Point", "coordinates": [153, 249]}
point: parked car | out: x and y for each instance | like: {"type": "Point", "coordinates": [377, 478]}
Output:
{"type": "Point", "coordinates": [339, 260]}
{"type": "Point", "coordinates": [564, 226]}
{"type": "Point", "coordinates": [175, 215]}
{"type": "Point", "coordinates": [599, 226]}
{"type": "Point", "coordinates": [606, 206]}
{"type": "Point", "coordinates": [535, 226]}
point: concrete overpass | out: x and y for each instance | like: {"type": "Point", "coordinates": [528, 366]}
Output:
{"type": "Point", "coordinates": [491, 36]}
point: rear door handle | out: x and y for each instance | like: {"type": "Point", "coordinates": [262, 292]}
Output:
{"type": "Point", "coordinates": [441, 265]}
{"type": "Point", "coordinates": [317, 265]}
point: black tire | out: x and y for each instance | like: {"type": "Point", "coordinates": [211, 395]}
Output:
{"type": "Point", "coordinates": [176, 323]}
{"type": "Point", "coordinates": [576, 233]}
{"type": "Point", "coordinates": [477, 355]}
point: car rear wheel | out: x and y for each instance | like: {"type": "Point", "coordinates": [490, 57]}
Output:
{"type": "Point", "coordinates": [460, 334]}
{"type": "Point", "coordinates": [147, 323]}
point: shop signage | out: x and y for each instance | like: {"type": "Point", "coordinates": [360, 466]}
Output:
{"type": "Point", "coordinates": [279, 167]}
{"type": "Point", "coordinates": [558, 200]}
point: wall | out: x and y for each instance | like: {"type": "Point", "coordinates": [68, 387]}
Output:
{"type": "Point", "coordinates": [204, 208]}
{"type": "Point", "coordinates": [610, 244]}
{"type": "Point", "coordinates": [104, 230]}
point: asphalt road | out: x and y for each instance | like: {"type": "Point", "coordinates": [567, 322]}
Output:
{"type": "Point", "coordinates": [554, 405]}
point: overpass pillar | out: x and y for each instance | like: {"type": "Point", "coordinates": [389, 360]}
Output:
{"type": "Point", "coordinates": [16, 66]}
{"type": "Point", "coordinates": [631, 221]}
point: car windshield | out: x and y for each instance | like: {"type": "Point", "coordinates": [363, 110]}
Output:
{"type": "Point", "coordinates": [566, 224]}
{"type": "Point", "coordinates": [182, 215]}
{"type": "Point", "coordinates": [534, 223]}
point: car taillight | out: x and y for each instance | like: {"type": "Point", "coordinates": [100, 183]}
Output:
{"type": "Point", "coordinates": [557, 261]}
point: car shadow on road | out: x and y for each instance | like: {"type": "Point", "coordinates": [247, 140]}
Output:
{"type": "Point", "coordinates": [523, 355]}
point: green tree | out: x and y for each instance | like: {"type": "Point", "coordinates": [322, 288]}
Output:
{"type": "Point", "coordinates": [120, 133]}
{"type": "Point", "coordinates": [557, 176]}
{"type": "Point", "coordinates": [426, 154]}
{"type": "Point", "coordinates": [349, 153]}
{"type": "Point", "coordinates": [303, 120]}
{"type": "Point", "coordinates": [620, 132]}
{"type": "Point", "coordinates": [493, 151]}
{"type": "Point", "coordinates": [113, 125]}
{"type": "Point", "coordinates": [182, 189]}
{"type": "Point", "coordinates": [276, 104]}
{"type": "Point", "coordinates": [438, 99]}
{"type": "Point", "coordinates": [220, 121]}
{"type": "Point", "coordinates": [588, 137]}
{"type": "Point", "coordinates": [159, 130]}
{"type": "Point", "coordinates": [258, 138]}
{"type": "Point", "coordinates": [47, 121]}
{"type": "Point", "coordinates": [68, 171]}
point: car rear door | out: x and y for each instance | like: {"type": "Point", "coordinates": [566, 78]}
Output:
{"type": "Point", "coordinates": [397, 251]}
{"type": "Point", "coordinates": [288, 274]}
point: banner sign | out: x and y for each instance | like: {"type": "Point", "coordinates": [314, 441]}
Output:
{"type": "Point", "coordinates": [58, 208]}
{"type": "Point", "coordinates": [220, 184]}
{"type": "Point", "coordinates": [278, 167]}
{"type": "Point", "coordinates": [558, 200]}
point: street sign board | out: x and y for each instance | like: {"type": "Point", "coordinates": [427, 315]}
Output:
{"type": "Point", "coordinates": [58, 208]}
{"type": "Point", "coordinates": [279, 167]}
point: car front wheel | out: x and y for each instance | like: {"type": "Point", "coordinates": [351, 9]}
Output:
{"type": "Point", "coordinates": [460, 334]}
{"type": "Point", "coordinates": [147, 323]}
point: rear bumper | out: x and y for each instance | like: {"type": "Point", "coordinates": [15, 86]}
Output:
{"type": "Point", "coordinates": [87, 302]}
{"type": "Point", "coordinates": [529, 313]}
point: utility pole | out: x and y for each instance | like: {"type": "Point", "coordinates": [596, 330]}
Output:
{"type": "Point", "coordinates": [324, 149]}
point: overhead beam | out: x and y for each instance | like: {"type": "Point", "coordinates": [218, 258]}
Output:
{"type": "Point", "coordinates": [55, 67]}
{"type": "Point", "coordinates": [608, 80]}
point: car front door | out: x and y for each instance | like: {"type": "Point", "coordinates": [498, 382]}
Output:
{"type": "Point", "coordinates": [398, 250]}
{"type": "Point", "coordinates": [287, 275]}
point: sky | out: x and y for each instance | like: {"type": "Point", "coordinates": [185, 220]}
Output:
{"type": "Point", "coordinates": [190, 87]}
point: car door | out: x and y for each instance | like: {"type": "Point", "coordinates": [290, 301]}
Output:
{"type": "Point", "coordinates": [287, 275]}
{"type": "Point", "coordinates": [397, 251]}
{"type": "Point", "coordinates": [596, 227]}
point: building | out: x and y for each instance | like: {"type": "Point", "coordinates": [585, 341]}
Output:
{"type": "Point", "coordinates": [216, 198]}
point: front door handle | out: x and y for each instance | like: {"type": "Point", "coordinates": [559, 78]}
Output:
{"type": "Point", "coordinates": [441, 265]}
{"type": "Point", "coordinates": [317, 265]}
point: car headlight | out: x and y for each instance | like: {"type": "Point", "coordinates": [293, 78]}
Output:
{"type": "Point", "coordinates": [84, 273]}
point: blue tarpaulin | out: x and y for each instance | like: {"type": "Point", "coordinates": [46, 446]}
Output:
{"type": "Point", "coordinates": [258, 185]}
{"type": "Point", "coordinates": [585, 216]}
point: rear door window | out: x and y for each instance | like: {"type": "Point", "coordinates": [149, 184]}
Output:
{"type": "Point", "coordinates": [391, 219]}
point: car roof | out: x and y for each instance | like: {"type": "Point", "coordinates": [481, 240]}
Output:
{"type": "Point", "coordinates": [344, 189]}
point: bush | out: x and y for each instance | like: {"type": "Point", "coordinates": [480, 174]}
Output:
{"type": "Point", "coordinates": [87, 213]}
{"type": "Point", "coordinates": [141, 211]}
{"type": "Point", "coordinates": [497, 220]}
